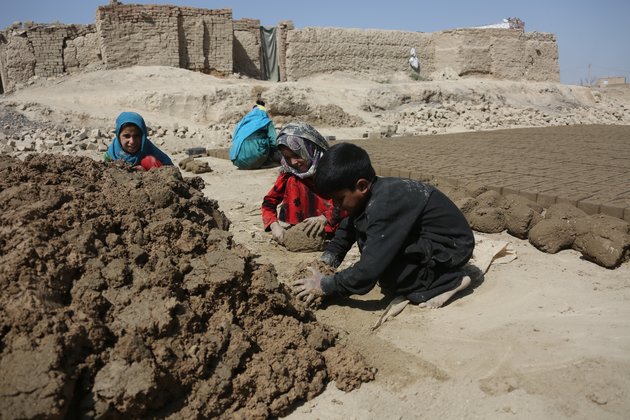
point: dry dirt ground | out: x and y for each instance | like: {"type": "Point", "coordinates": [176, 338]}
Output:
{"type": "Point", "coordinates": [544, 336]}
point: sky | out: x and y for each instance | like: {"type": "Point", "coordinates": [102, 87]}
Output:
{"type": "Point", "coordinates": [593, 36]}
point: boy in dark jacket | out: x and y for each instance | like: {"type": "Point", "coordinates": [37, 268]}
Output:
{"type": "Point", "coordinates": [413, 240]}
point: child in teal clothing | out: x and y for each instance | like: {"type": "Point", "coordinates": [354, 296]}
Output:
{"type": "Point", "coordinates": [254, 139]}
{"type": "Point", "coordinates": [131, 144]}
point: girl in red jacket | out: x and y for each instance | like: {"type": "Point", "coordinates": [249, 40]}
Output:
{"type": "Point", "coordinates": [293, 199]}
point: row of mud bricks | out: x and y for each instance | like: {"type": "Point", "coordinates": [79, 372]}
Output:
{"type": "Point", "coordinates": [548, 225]}
{"type": "Point", "coordinates": [544, 199]}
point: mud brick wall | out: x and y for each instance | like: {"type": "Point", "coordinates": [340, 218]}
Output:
{"type": "Point", "coordinates": [282, 32]}
{"type": "Point", "coordinates": [17, 60]}
{"type": "Point", "coordinates": [246, 49]}
{"type": "Point", "coordinates": [40, 50]}
{"type": "Point", "coordinates": [209, 41]}
{"type": "Point", "coordinates": [196, 39]}
{"type": "Point", "coordinates": [206, 39]}
{"type": "Point", "coordinates": [47, 44]}
{"type": "Point", "coordinates": [138, 35]}
{"type": "Point", "coordinates": [496, 53]}
{"type": "Point", "coordinates": [82, 51]}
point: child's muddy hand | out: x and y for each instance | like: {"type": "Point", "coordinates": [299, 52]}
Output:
{"type": "Point", "coordinates": [330, 259]}
{"type": "Point", "coordinates": [309, 289]}
{"type": "Point", "coordinates": [278, 232]}
{"type": "Point", "coordinates": [313, 300]}
{"type": "Point", "coordinates": [314, 226]}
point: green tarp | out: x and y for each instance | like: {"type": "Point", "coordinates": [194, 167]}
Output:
{"type": "Point", "coordinates": [269, 66]}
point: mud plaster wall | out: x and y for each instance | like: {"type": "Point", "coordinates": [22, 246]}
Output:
{"type": "Point", "coordinates": [321, 50]}
{"type": "Point", "coordinates": [246, 49]}
{"type": "Point", "coordinates": [196, 39]}
{"type": "Point", "coordinates": [81, 52]}
{"type": "Point", "coordinates": [499, 53]}
{"type": "Point", "coordinates": [496, 53]}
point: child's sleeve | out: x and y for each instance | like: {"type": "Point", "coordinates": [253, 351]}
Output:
{"type": "Point", "coordinates": [271, 201]}
{"type": "Point", "coordinates": [159, 155]}
{"type": "Point", "coordinates": [334, 216]}
{"type": "Point", "coordinates": [338, 247]}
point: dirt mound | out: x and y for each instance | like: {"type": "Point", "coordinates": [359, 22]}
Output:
{"type": "Point", "coordinates": [124, 296]}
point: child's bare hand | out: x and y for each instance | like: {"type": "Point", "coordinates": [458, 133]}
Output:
{"type": "Point", "coordinates": [314, 226]}
{"type": "Point", "coordinates": [309, 288]}
{"type": "Point", "coordinates": [278, 232]}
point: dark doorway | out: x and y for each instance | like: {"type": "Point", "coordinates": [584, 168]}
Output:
{"type": "Point", "coordinates": [1, 85]}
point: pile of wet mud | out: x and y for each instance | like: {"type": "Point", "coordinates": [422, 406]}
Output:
{"type": "Point", "coordinates": [124, 296]}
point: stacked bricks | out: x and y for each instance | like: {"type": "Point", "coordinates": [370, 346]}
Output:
{"type": "Point", "coordinates": [320, 50]}
{"type": "Point", "coordinates": [246, 24]}
{"type": "Point", "coordinates": [47, 45]}
{"type": "Point", "coordinates": [498, 53]}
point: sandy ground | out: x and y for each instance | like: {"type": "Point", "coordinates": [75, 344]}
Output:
{"type": "Point", "coordinates": [544, 336]}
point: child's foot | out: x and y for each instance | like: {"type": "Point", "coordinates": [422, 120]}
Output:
{"type": "Point", "coordinates": [439, 300]}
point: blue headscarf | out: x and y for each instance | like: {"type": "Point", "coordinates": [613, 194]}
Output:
{"type": "Point", "coordinates": [116, 152]}
{"type": "Point", "coordinates": [255, 119]}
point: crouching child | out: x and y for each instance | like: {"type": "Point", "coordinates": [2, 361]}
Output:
{"type": "Point", "coordinates": [413, 240]}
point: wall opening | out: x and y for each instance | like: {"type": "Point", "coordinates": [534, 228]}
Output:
{"type": "Point", "coordinates": [1, 85]}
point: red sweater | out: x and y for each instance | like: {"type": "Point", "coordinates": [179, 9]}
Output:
{"type": "Point", "coordinates": [293, 199]}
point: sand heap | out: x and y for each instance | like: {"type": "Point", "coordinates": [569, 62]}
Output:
{"type": "Point", "coordinates": [124, 296]}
